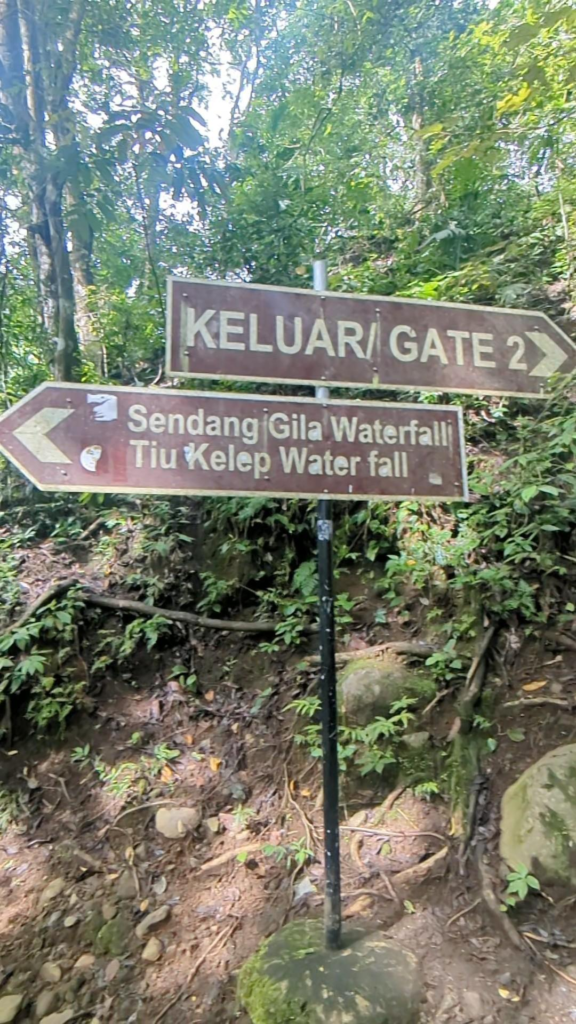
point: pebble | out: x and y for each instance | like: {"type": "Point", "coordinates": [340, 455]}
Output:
{"type": "Point", "coordinates": [52, 890]}
{"type": "Point", "coordinates": [112, 970]}
{"type": "Point", "coordinates": [109, 911]}
{"type": "Point", "coordinates": [151, 920]}
{"type": "Point", "coordinates": [177, 822]}
{"type": "Point", "coordinates": [51, 973]}
{"type": "Point", "coordinates": [59, 1018]}
{"type": "Point", "coordinates": [473, 1005]}
{"type": "Point", "coordinates": [213, 825]}
{"type": "Point", "coordinates": [126, 886]}
{"type": "Point", "coordinates": [85, 962]}
{"type": "Point", "coordinates": [46, 1002]}
{"type": "Point", "coordinates": [71, 920]}
{"type": "Point", "coordinates": [9, 1007]}
{"type": "Point", "coordinates": [152, 950]}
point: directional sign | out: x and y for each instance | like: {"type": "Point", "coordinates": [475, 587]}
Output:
{"type": "Point", "coordinates": [288, 335]}
{"type": "Point", "coordinates": [72, 437]}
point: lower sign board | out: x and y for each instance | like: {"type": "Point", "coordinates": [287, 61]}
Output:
{"type": "Point", "coordinates": [73, 437]}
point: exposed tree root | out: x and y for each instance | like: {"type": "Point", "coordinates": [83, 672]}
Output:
{"type": "Point", "coordinates": [473, 685]}
{"type": "Point", "coordinates": [433, 866]}
{"type": "Point", "coordinates": [493, 903]}
{"type": "Point", "coordinates": [124, 604]}
{"type": "Point", "coordinates": [527, 702]}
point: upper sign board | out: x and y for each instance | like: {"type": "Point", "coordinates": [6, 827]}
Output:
{"type": "Point", "coordinates": [73, 437]}
{"type": "Point", "coordinates": [290, 335]}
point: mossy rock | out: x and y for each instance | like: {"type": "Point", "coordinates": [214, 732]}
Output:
{"type": "Point", "coordinates": [538, 828]}
{"type": "Point", "coordinates": [369, 686]}
{"type": "Point", "coordinates": [293, 979]}
{"type": "Point", "coordinates": [113, 938]}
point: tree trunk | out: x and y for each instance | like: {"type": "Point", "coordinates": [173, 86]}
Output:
{"type": "Point", "coordinates": [66, 357]}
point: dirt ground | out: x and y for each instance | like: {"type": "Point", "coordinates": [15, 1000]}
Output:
{"type": "Point", "coordinates": [232, 759]}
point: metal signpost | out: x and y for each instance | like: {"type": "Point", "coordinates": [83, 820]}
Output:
{"type": "Point", "coordinates": [328, 696]}
{"type": "Point", "coordinates": [288, 335]}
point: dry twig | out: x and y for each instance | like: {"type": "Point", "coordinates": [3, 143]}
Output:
{"type": "Point", "coordinates": [411, 649]}
{"type": "Point", "coordinates": [225, 858]}
{"type": "Point", "coordinates": [536, 702]}
{"type": "Point", "coordinates": [461, 913]}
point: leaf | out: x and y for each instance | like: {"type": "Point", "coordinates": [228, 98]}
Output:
{"type": "Point", "coordinates": [166, 774]}
{"type": "Point", "coordinates": [516, 735]}
{"type": "Point", "coordinates": [242, 856]}
{"type": "Point", "coordinates": [529, 492]}
{"type": "Point", "coordinates": [215, 763]}
{"type": "Point", "coordinates": [129, 854]}
{"type": "Point", "coordinates": [533, 687]}
{"type": "Point", "coordinates": [492, 744]}
{"type": "Point", "coordinates": [209, 696]}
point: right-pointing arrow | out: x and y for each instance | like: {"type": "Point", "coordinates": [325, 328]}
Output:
{"type": "Point", "coordinates": [32, 434]}
{"type": "Point", "coordinates": [554, 356]}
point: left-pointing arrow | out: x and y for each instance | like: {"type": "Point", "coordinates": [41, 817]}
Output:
{"type": "Point", "coordinates": [32, 434]}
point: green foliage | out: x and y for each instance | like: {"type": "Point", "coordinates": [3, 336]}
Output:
{"type": "Point", "coordinates": [520, 884]}
{"type": "Point", "coordinates": [367, 749]}
{"type": "Point", "coordinates": [293, 855]}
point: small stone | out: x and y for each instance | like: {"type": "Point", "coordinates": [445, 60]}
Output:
{"type": "Point", "coordinates": [126, 886]}
{"type": "Point", "coordinates": [177, 822]}
{"type": "Point", "coordinates": [72, 988]}
{"type": "Point", "coordinates": [52, 890]}
{"type": "Point", "coordinates": [9, 1007]}
{"type": "Point", "coordinates": [46, 1002]}
{"type": "Point", "coordinates": [152, 950]}
{"type": "Point", "coordinates": [112, 970]}
{"type": "Point", "coordinates": [85, 962]}
{"type": "Point", "coordinates": [54, 918]}
{"type": "Point", "coordinates": [109, 911]}
{"type": "Point", "coordinates": [71, 920]}
{"type": "Point", "coordinates": [505, 979]}
{"type": "Point", "coordinates": [51, 973]}
{"type": "Point", "coordinates": [141, 851]}
{"type": "Point", "coordinates": [151, 921]}
{"type": "Point", "coordinates": [416, 740]}
{"type": "Point", "coordinates": [74, 900]}
{"type": "Point", "coordinates": [473, 1005]}
{"type": "Point", "coordinates": [213, 825]}
{"type": "Point", "coordinates": [59, 1018]}
{"type": "Point", "coordinates": [90, 927]}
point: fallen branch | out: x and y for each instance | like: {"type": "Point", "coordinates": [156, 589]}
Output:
{"type": "Point", "coordinates": [526, 702]}
{"type": "Point", "coordinates": [56, 590]}
{"type": "Point", "coordinates": [388, 834]}
{"type": "Point", "coordinates": [462, 913]}
{"type": "Point", "coordinates": [225, 858]}
{"type": "Point", "coordinates": [125, 604]}
{"type": "Point", "coordinates": [411, 649]}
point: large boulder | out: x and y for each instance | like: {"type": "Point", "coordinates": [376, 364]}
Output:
{"type": "Point", "coordinates": [293, 979]}
{"type": "Point", "coordinates": [369, 686]}
{"type": "Point", "coordinates": [538, 829]}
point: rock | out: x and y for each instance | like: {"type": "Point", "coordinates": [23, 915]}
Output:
{"type": "Point", "coordinates": [89, 929]}
{"type": "Point", "coordinates": [52, 890]}
{"type": "Point", "coordinates": [72, 988]}
{"type": "Point", "coordinates": [213, 825]}
{"type": "Point", "coordinates": [372, 980]}
{"type": "Point", "coordinates": [9, 1007]}
{"type": "Point", "coordinates": [152, 950]}
{"type": "Point", "coordinates": [126, 886]}
{"type": "Point", "coordinates": [177, 822]}
{"type": "Point", "coordinates": [151, 921]}
{"type": "Point", "coordinates": [59, 1018]}
{"type": "Point", "coordinates": [416, 740]}
{"type": "Point", "coordinates": [473, 1005]}
{"type": "Point", "coordinates": [114, 936]}
{"type": "Point", "coordinates": [85, 962]}
{"type": "Point", "coordinates": [51, 973]}
{"type": "Point", "coordinates": [112, 970]}
{"type": "Point", "coordinates": [46, 1002]}
{"type": "Point", "coordinates": [109, 911]}
{"type": "Point", "coordinates": [71, 920]}
{"type": "Point", "coordinates": [368, 687]}
{"type": "Point", "coordinates": [538, 827]}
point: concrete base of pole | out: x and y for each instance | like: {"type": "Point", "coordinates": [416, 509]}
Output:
{"type": "Point", "coordinates": [293, 979]}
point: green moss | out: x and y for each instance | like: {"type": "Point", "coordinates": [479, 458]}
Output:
{"type": "Point", "coordinates": [556, 828]}
{"type": "Point", "coordinates": [265, 999]}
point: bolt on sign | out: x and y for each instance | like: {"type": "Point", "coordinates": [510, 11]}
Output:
{"type": "Point", "coordinates": [73, 437]}
{"type": "Point", "coordinates": [291, 335]}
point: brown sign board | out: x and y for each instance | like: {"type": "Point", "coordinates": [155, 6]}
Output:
{"type": "Point", "coordinates": [74, 437]}
{"type": "Point", "coordinates": [290, 335]}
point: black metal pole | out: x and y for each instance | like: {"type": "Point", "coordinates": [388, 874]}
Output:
{"type": "Point", "coordinates": [329, 700]}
